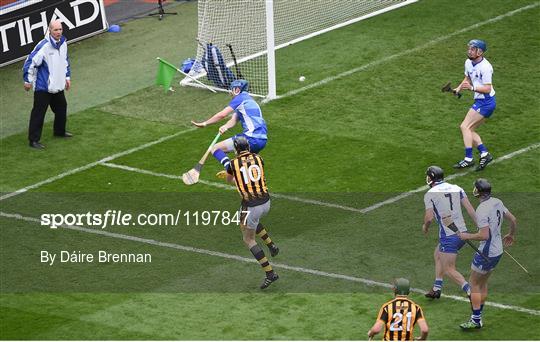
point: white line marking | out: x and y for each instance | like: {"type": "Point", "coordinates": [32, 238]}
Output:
{"type": "Point", "coordinates": [88, 166]}
{"type": "Point", "coordinates": [403, 53]}
{"type": "Point", "coordinates": [453, 176]}
{"type": "Point", "coordinates": [327, 204]}
{"type": "Point", "coordinates": [251, 260]}
{"type": "Point", "coordinates": [229, 187]}
{"type": "Point", "coordinates": [324, 81]}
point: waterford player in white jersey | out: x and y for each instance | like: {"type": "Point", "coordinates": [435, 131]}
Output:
{"type": "Point", "coordinates": [443, 203]}
{"type": "Point", "coordinates": [478, 79]}
{"type": "Point", "coordinates": [490, 214]}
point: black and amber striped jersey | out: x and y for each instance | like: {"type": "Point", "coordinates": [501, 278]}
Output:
{"type": "Point", "coordinates": [399, 317]}
{"type": "Point", "coordinates": [248, 171]}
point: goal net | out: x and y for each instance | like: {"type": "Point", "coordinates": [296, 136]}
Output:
{"type": "Point", "coordinates": [238, 38]}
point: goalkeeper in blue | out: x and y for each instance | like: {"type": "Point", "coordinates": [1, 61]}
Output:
{"type": "Point", "coordinates": [489, 214]}
{"type": "Point", "coordinates": [241, 108]}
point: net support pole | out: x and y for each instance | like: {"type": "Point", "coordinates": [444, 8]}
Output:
{"type": "Point", "coordinates": [271, 58]}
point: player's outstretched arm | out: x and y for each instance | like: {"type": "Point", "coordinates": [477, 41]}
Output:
{"type": "Point", "coordinates": [229, 124]}
{"type": "Point", "coordinates": [215, 118]}
{"type": "Point", "coordinates": [481, 235]}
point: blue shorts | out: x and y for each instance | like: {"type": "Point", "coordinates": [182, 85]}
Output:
{"type": "Point", "coordinates": [485, 107]}
{"type": "Point", "coordinates": [255, 145]}
{"type": "Point", "coordinates": [480, 265]}
{"type": "Point", "coordinates": [450, 244]}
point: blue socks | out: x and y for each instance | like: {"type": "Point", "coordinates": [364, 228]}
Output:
{"type": "Point", "coordinates": [437, 285]}
{"type": "Point", "coordinates": [467, 288]}
{"type": "Point", "coordinates": [468, 153]}
{"type": "Point", "coordinates": [476, 316]}
{"type": "Point", "coordinates": [482, 149]}
{"type": "Point", "coordinates": [222, 158]}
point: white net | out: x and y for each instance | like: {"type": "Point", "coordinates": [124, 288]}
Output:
{"type": "Point", "coordinates": [240, 25]}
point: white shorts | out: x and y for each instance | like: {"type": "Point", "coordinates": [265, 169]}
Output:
{"type": "Point", "coordinates": [229, 144]}
{"type": "Point", "coordinates": [254, 214]}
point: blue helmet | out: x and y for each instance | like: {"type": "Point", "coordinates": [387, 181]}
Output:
{"type": "Point", "coordinates": [242, 84]}
{"type": "Point", "coordinates": [477, 43]}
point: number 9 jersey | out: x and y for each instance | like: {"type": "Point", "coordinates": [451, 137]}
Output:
{"type": "Point", "coordinates": [490, 214]}
{"type": "Point", "coordinates": [248, 171]}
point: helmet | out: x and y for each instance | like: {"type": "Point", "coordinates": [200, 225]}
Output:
{"type": "Point", "coordinates": [242, 84]}
{"type": "Point", "coordinates": [402, 286]}
{"type": "Point", "coordinates": [481, 187]}
{"type": "Point", "coordinates": [477, 43]}
{"type": "Point", "coordinates": [434, 174]}
{"type": "Point", "coordinates": [241, 144]}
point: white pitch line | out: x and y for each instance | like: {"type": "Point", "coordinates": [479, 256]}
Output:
{"type": "Point", "coordinates": [403, 53]}
{"type": "Point", "coordinates": [229, 187]}
{"type": "Point", "coordinates": [88, 166]}
{"type": "Point", "coordinates": [324, 81]}
{"type": "Point", "coordinates": [453, 176]}
{"type": "Point", "coordinates": [321, 203]}
{"type": "Point", "coordinates": [368, 282]}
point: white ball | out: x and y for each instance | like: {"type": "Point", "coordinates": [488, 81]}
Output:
{"type": "Point", "coordinates": [301, 78]}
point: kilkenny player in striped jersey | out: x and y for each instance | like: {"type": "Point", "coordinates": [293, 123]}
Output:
{"type": "Point", "coordinates": [247, 172]}
{"type": "Point", "coordinates": [399, 316]}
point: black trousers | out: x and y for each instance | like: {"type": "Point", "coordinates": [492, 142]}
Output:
{"type": "Point", "coordinates": [42, 100]}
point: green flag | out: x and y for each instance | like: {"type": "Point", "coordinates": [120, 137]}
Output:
{"type": "Point", "coordinates": [165, 74]}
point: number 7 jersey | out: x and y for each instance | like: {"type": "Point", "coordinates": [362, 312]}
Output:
{"type": "Point", "coordinates": [248, 171]}
{"type": "Point", "coordinates": [445, 199]}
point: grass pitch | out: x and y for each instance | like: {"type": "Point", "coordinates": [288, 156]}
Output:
{"type": "Point", "coordinates": [350, 143]}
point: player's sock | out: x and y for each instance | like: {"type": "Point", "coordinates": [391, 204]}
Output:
{"type": "Point", "coordinates": [437, 285]}
{"type": "Point", "coordinates": [263, 234]}
{"type": "Point", "coordinates": [468, 154]}
{"type": "Point", "coordinates": [222, 158]}
{"type": "Point", "coordinates": [481, 308]}
{"type": "Point", "coordinates": [258, 253]}
{"type": "Point", "coordinates": [467, 288]}
{"type": "Point", "coordinates": [483, 150]}
{"type": "Point", "coordinates": [476, 316]}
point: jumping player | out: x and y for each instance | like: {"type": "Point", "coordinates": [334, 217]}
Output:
{"type": "Point", "coordinates": [247, 172]}
{"type": "Point", "coordinates": [244, 109]}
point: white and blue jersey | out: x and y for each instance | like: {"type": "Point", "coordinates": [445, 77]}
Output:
{"type": "Point", "coordinates": [481, 74]}
{"type": "Point", "coordinates": [47, 66]}
{"type": "Point", "coordinates": [250, 115]}
{"type": "Point", "coordinates": [445, 200]}
{"type": "Point", "coordinates": [490, 213]}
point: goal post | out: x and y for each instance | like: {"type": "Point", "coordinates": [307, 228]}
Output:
{"type": "Point", "coordinates": [243, 35]}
